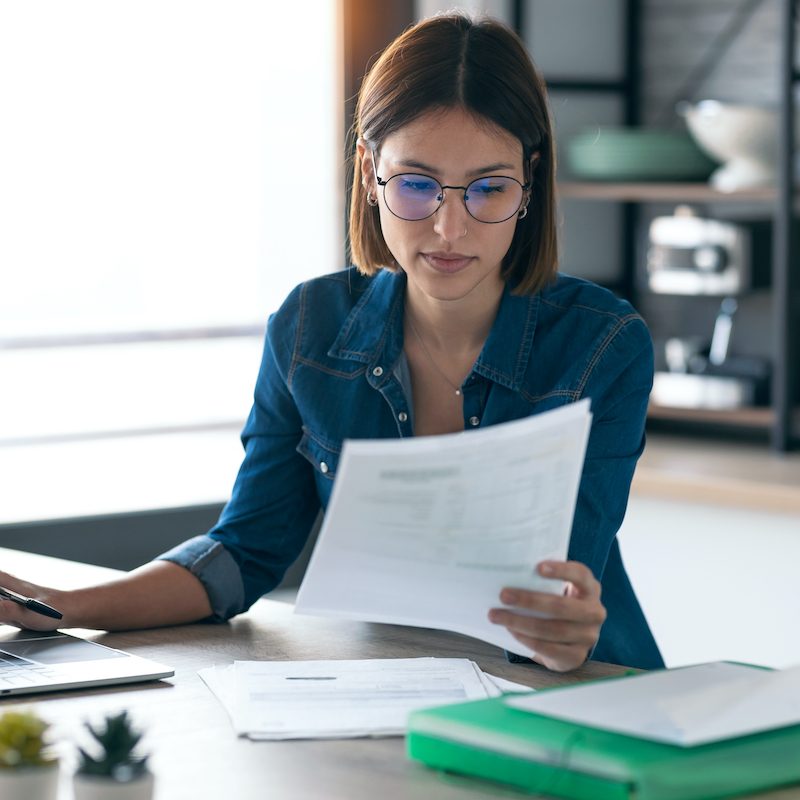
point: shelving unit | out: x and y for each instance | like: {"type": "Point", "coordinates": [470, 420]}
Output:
{"type": "Point", "coordinates": [780, 420]}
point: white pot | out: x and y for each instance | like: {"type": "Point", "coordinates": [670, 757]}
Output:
{"type": "Point", "coordinates": [29, 783]}
{"type": "Point", "coordinates": [93, 787]}
{"type": "Point", "coordinates": [744, 138]}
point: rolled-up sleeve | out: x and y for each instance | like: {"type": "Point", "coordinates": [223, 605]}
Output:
{"type": "Point", "coordinates": [215, 568]}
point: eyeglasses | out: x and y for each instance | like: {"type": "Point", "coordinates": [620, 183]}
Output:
{"type": "Point", "coordinates": [491, 199]}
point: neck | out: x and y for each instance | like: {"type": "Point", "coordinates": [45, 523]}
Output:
{"type": "Point", "coordinates": [453, 326]}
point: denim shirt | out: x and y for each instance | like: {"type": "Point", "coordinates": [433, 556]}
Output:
{"type": "Point", "coordinates": [333, 368]}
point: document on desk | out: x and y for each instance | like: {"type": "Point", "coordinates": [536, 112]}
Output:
{"type": "Point", "coordinates": [426, 531]}
{"type": "Point", "coordinates": [342, 699]}
{"type": "Point", "coordinates": [687, 706]}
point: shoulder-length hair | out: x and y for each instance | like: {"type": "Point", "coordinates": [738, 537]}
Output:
{"type": "Point", "coordinates": [453, 61]}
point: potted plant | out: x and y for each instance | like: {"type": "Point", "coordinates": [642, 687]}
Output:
{"type": "Point", "coordinates": [28, 771]}
{"type": "Point", "coordinates": [116, 772]}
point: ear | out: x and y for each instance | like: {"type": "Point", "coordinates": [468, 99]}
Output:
{"type": "Point", "coordinates": [367, 166]}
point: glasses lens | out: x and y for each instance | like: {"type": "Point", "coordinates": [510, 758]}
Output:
{"type": "Point", "coordinates": [412, 196]}
{"type": "Point", "coordinates": [493, 199]}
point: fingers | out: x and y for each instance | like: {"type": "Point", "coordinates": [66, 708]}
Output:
{"type": "Point", "coordinates": [19, 617]}
{"type": "Point", "coordinates": [577, 574]}
{"type": "Point", "coordinates": [12, 613]}
{"type": "Point", "coordinates": [560, 629]}
{"type": "Point", "coordinates": [556, 644]}
{"type": "Point", "coordinates": [553, 606]}
{"type": "Point", "coordinates": [557, 657]}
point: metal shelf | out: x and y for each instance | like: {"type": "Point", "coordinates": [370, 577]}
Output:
{"type": "Point", "coordinates": [635, 192]}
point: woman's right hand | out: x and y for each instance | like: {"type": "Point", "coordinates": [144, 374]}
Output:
{"type": "Point", "coordinates": [12, 613]}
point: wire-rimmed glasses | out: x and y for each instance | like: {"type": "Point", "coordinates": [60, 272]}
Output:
{"type": "Point", "coordinates": [413, 196]}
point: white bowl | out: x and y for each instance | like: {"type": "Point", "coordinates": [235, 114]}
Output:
{"type": "Point", "coordinates": [744, 138]}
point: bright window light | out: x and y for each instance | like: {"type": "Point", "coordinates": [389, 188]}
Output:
{"type": "Point", "coordinates": [169, 171]}
{"type": "Point", "coordinates": [165, 164]}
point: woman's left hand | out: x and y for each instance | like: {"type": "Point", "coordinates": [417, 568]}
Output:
{"type": "Point", "coordinates": [570, 626]}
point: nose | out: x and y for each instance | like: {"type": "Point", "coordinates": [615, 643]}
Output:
{"type": "Point", "coordinates": [450, 220]}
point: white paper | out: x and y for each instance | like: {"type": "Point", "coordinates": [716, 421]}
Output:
{"type": "Point", "coordinates": [503, 686]}
{"type": "Point", "coordinates": [426, 531]}
{"type": "Point", "coordinates": [337, 699]}
{"type": "Point", "coordinates": [686, 706]}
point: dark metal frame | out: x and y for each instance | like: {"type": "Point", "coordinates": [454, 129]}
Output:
{"type": "Point", "coordinates": [785, 266]}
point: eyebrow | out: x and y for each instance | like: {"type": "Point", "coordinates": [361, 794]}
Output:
{"type": "Point", "coordinates": [433, 171]}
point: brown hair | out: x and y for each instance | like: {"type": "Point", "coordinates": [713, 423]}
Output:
{"type": "Point", "coordinates": [453, 61]}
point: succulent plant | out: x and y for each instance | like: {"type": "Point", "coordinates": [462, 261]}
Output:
{"type": "Point", "coordinates": [22, 741]}
{"type": "Point", "coordinates": [117, 740]}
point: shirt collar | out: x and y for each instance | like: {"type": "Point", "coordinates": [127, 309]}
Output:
{"type": "Point", "coordinates": [373, 331]}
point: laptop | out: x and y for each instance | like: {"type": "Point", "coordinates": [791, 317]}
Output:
{"type": "Point", "coordinates": [36, 661]}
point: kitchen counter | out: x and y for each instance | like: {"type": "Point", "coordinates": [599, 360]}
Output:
{"type": "Point", "coordinates": [726, 473]}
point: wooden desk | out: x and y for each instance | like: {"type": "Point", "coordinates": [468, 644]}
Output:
{"type": "Point", "coordinates": [195, 754]}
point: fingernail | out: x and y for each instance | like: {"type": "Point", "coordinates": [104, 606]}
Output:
{"type": "Point", "coordinates": [509, 596]}
{"type": "Point", "coordinates": [545, 568]}
{"type": "Point", "coordinates": [493, 616]}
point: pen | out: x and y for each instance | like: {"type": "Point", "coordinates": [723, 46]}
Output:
{"type": "Point", "coordinates": [30, 603]}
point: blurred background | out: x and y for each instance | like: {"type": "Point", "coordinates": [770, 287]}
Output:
{"type": "Point", "coordinates": [170, 170]}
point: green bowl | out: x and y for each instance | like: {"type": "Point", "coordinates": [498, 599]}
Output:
{"type": "Point", "coordinates": [636, 154]}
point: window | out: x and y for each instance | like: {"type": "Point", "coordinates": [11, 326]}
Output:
{"type": "Point", "coordinates": [169, 170]}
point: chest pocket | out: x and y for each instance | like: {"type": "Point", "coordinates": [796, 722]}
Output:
{"type": "Point", "coordinates": [324, 456]}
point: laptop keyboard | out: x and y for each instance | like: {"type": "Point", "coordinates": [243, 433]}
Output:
{"type": "Point", "coordinates": [18, 672]}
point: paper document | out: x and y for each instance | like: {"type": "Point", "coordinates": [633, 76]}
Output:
{"type": "Point", "coordinates": [685, 706]}
{"type": "Point", "coordinates": [337, 699]}
{"type": "Point", "coordinates": [426, 531]}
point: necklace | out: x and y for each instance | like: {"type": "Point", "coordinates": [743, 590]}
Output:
{"type": "Point", "coordinates": [453, 386]}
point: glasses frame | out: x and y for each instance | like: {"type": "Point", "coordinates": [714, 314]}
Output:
{"type": "Point", "coordinates": [382, 183]}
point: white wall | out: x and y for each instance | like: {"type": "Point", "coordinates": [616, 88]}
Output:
{"type": "Point", "coordinates": [716, 583]}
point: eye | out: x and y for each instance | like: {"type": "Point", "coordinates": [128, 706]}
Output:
{"type": "Point", "coordinates": [416, 183]}
{"type": "Point", "coordinates": [487, 187]}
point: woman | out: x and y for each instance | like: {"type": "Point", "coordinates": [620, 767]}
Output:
{"type": "Point", "coordinates": [453, 318]}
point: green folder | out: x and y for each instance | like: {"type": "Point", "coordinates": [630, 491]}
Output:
{"type": "Point", "coordinates": [493, 741]}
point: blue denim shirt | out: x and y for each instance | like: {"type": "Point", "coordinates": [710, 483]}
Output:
{"type": "Point", "coordinates": [333, 369]}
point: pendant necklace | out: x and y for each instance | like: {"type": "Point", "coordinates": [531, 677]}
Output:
{"type": "Point", "coordinates": [453, 386]}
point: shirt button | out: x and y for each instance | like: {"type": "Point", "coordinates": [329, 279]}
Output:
{"type": "Point", "coordinates": [402, 416]}
{"type": "Point", "coordinates": [474, 421]}
{"type": "Point", "coordinates": [323, 467]}
{"type": "Point", "coordinates": [377, 372]}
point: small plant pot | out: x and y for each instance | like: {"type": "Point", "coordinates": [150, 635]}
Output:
{"type": "Point", "coordinates": [94, 787]}
{"type": "Point", "coordinates": [29, 783]}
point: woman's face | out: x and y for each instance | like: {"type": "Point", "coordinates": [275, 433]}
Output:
{"type": "Point", "coordinates": [450, 255]}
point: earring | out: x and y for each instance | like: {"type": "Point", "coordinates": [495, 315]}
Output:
{"type": "Point", "coordinates": [523, 213]}
{"type": "Point", "coordinates": [372, 200]}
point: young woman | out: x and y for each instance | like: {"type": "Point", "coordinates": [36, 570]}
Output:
{"type": "Point", "coordinates": [453, 318]}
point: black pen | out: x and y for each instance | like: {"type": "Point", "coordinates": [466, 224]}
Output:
{"type": "Point", "coordinates": [30, 603]}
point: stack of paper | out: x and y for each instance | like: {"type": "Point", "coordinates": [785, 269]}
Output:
{"type": "Point", "coordinates": [341, 699]}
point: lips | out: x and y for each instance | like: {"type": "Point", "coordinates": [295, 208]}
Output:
{"type": "Point", "coordinates": [447, 262]}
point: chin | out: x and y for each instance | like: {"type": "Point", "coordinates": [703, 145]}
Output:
{"type": "Point", "coordinates": [455, 286]}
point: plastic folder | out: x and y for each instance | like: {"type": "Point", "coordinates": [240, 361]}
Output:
{"type": "Point", "coordinates": [491, 740]}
